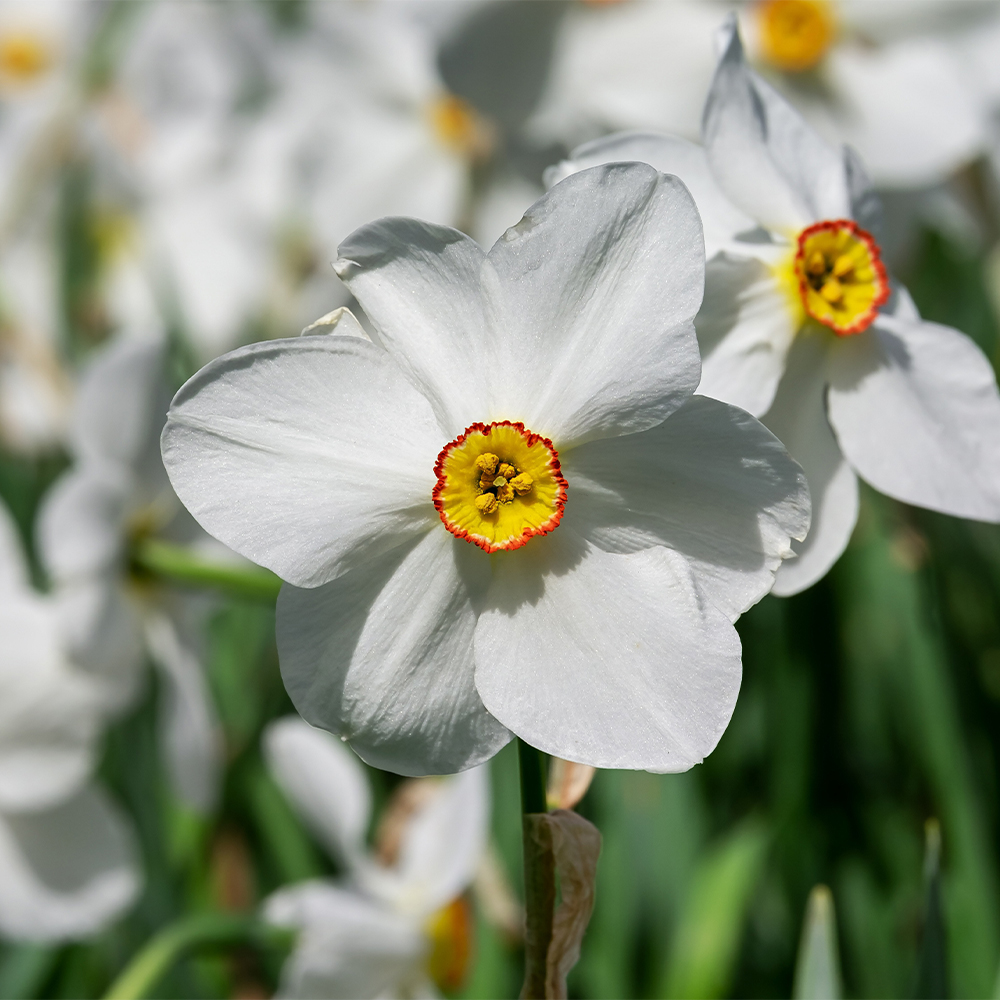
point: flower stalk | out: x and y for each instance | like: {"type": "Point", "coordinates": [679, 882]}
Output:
{"type": "Point", "coordinates": [539, 872]}
{"type": "Point", "coordinates": [180, 565]}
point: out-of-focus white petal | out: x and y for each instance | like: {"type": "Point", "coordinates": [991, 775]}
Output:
{"type": "Point", "coordinates": [419, 285]}
{"type": "Point", "coordinates": [189, 730]}
{"type": "Point", "coordinates": [609, 660]}
{"type": "Point", "coordinates": [308, 456]}
{"type": "Point", "coordinates": [66, 871]}
{"type": "Point", "coordinates": [324, 781]}
{"type": "Point", "coordinates": [745, 329]}
{"type": "Point", "coordinates": [383, 657]}
{"type": "Point", "coordinates": [49, 713]}
{"type": "Point", "coordinates": [590, 302]}
{"type": "Point", "coordinates": [917, 413]}
{"type": "Point", "coordinates": [798, 417]}
{"type": "Point", "coordinates": [118, 402]}
{"type": "Point", "coordinates": [711, 482]}
{"type": "Point", "coordinates": [100, 628]}
{"type": "Point", "coordinates": [907, 108]}
{"type": "Point", "coordinates": [441, 848]}
{"type": "Point", "coordinates": [669, 154]}
{"type": "Point", "coordinates": [767, 160]}
{"type": "Point", "coordinates": [348, 947]}
{"type": "Point", "coordinates": [81, 521]}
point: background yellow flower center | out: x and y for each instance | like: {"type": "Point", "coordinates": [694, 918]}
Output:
{"type": "Point", "coordinates": [23, 56]}
{"type": "Point", "coordinates": [795, 34]}
{"type": "Point", "coordinates": [457, 125]}
{"type": "Point", "coordinates": [842, 281]}
{"type": "Point", "coordinates": [499, 485]}
{"type": "Point", "coordinates": [450, 933]}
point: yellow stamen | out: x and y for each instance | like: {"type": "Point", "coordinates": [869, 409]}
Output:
{"type": "Point", "coordinates": [450, 933]}
{"type": "Point", "coordinates": [499, 511]}
{"type": "Point", "coordinates": [795, 34]}
{"type": "Point", "coordinates": [457, 125]}
{"type": "Point", "coordinates": [841, 280]}
{"type": "Point", "coordinates": [24, 56]}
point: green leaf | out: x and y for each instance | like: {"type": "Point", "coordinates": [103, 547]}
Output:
{"type": "Point", "coordinates": [817, 971]}
{"type": "Point", "coordinates": [932, 967]}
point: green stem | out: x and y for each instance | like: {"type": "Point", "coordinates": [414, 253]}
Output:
{"type": "Point", "coordinates": [539, 872]}
{"type": "Point", "coordinates": [203, 930]}
{"type": "Point", "coordinates": [178, 564]}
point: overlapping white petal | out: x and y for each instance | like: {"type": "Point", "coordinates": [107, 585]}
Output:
{"type": "Point", "coordinates": [383, 656]}
{"type": "Point", "coordinates": [763, 155]}
{"type": "Point", "coordinates": [916, 411]}
{"type": "Point", "coordinates": [798, 417]}
{"type": "Point", "coordinates": [649, 682]}
{"type": "Point", "coordinates": [690, 485]}
{"type": "Point", "coordinates": [335, 467]}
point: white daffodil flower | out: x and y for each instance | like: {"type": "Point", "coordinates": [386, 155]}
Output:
{"type": "Point", "coordinates": [67, 860]}
{"type": "Point", "coordinates": [890, 79]}
{"type": "Point", "coordinates": [799, 326]}
{"type": "Point", "coordinates": [510, 513]}
{"type": "Point", "coordinates": [397, 924]}
{"type": "Point", "coordinates": [117, 493]}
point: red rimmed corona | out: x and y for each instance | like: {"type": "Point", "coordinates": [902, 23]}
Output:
{"type": "Point", "coordinates": [842, 280]}
{"type": "Point", "coordinates": [499, 485]}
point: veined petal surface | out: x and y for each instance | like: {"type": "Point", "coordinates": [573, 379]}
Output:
{"type": "Point", "coordinates": [308, 456]}
{"type": "Point", "coordinates": [591, 299]}
{"type": "Point", "coordinates": [383, 657]}
{"type": "Point", "coordinates": [711, 483]}
{"type": "Point", "coordinates": [799, 419]}
{"type": "Point", "coordinates": [769, 162]}
{"type": "Point", "coordinates": [670, 154]}
{"type": "Point", "coordinates": [916, 410]}
{"type": "Point", "coordinates": [610, 660]}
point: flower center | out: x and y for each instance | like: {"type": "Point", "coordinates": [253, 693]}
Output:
{"type": "Point", "coordinates": [499, 485]}
{"type": "Point", "coordinates": [458, 125]}
{"type": "Point", "coordinates": [842, 280]}
{"type": "Point", "coordinates": [450, 933]}
{"type": "Point", "coordinates": [795, 34]}
{"type": "Point", "coordinates": [23, 56]}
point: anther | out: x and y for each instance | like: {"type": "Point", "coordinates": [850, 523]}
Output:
{"type": "Point", "coordinates": [816, 264]}
{"type": "Point", "coordinates": [832, 290]}
{"type": "Point", "coordinates": [507, 471]}
{"type": "Point", "coordinates": [842, 266]}
{"type": "Point", "coordinates": [487, 463]}
{"type": "Point", "coordinates": [522, 484]}
{"type": "Point", "coordinates": [487, 503]}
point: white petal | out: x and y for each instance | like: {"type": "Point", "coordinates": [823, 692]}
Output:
{"type": "Point", "coordinates": [591, 299]}
{"type": "Point", "coordinates": [764, 156]}
{"type": "Point", "coordinates": [917, 413]}
{"type": "Point", "coordinates": [308, 456]}
{"type": "Point", "coordinates": [608, 660]}
{"type": "Point", "coordinates": [119, 400]}
{"type": "Point", "coordinates": [324, 781]}
{"type": "Point", "coordinates": [798, 417]}
{"type": "Point", "coordinates": [14, 576]}
{"type": "Point", "coordinates": [907, 108]}
{"type": "Point", "coordinates": [670, 155]}
{"type": "Point", "coordinates": [709, 482]}
{"type": "Point", "coordinates": [419, 285]}
{"type": "Point", "coordinates": [189, 730]}
{"type": "Point", "coordinates": [67, 871]}
{"type": "Point", "coordinates": [348, 947]}
{"type": "Point", "coordinates": [102, 633]}
{"type": "Point", "coordinates": [383, 657]}
{"type": "Point", "coordinates": [745, 329]}
{"type": "Point", "coordinates": [49, 713]}
{"type": "Point", "coordinates": [442, 846]}
{"type": "Point", "coordinates": [81, 526]}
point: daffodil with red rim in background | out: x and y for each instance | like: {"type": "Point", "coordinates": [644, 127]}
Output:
{"type": "Point", "coordinates": [800, 326]}
{"type": "Point", "coordinates": [567, 353]}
